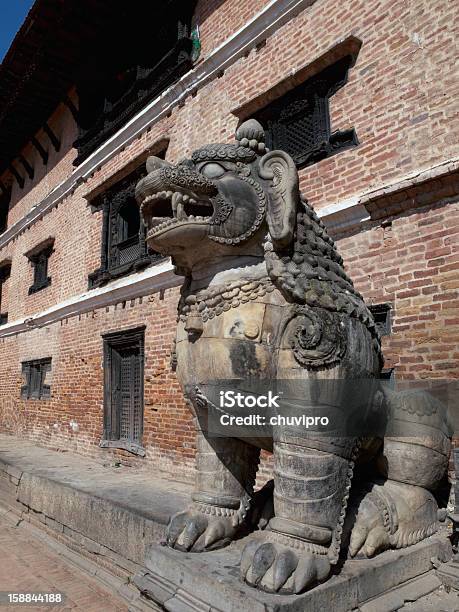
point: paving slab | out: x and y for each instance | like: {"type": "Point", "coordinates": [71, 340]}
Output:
{"type": "Point", "coordinates": [28, 565]}
{"type": "Point", "coordinates": [120, 509]}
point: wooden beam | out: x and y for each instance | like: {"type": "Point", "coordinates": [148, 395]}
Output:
{"type": "Point", "coordinates": [42, 151]}
{"type": "Point", "coordinates": [27, 167]}
{"type": "Point", "coordinates": [52, 136]}
{"type": "Point", "coordinates": [17, 176]}
{"type": "Point", "coordinates": [4, 189]}
{"type": "Point", "coordinates": [72, 108]}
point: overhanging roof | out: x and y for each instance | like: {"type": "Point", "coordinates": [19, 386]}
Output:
{"type": "Point", "coordinates": [60, 43]}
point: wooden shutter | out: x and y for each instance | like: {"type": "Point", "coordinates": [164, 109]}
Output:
{"type": "Point", "coordinates": [115, 400]}
{"type": "Point", "coordinates": [45, 390]}
{"type": "Point", "coordinates": [130, 413]}
{"type": "Point", "coordinates": [35, 380]}
{"type": "Point", "coordinates": [26, 375]}
{"type": "Point", "coordinates": [137, 376]}
{"type": "Point", "coordinates": [124, 387]}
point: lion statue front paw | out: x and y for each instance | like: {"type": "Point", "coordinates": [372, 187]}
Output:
{"type": "Point", "coordinates": [195, 531]}
{"type": "Point", "coordinates": [390, 515]}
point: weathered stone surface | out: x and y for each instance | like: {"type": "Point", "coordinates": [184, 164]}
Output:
{"type": "Point", "coordinates": [449, 574]}
{"type": "Point", "coordinates": [119, 510]}
{"type": "Point", "coordinates": [408, 592]}
{"type": "Point", "coordinates": [210, 581]}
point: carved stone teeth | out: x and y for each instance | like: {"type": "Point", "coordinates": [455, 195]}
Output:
{"type": "Point", "coordinates": [185, 197]}
{"type": "Point", "coordinates": [192, 201]}
{"type": "Point", "coordinates": [191, 218]}
{"type": "Point", "coordinates": [177, 204]}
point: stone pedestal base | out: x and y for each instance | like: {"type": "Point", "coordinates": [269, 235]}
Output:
{"type": "Point", "coordinates": [187, 582]}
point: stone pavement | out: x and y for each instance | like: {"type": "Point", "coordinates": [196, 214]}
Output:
{"type": "Point", "coordinates": [438, 601]}
{"type": "Point", "coordinates": [28, 565]}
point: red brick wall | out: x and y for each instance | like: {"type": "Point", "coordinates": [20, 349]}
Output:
{"type": "Point", "coordinates": [413, 264]}
{"type": "Point", "coordinates": [219, 19]}
{"type": "Point", "coordinates": [75, 346]}
{"type": "Point", "coordinates": [46, 176]}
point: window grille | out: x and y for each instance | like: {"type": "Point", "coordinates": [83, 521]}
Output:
{"type": "Point", "coordinates": [35, 374]}
{"type": "Point", "coordinates": [299, 121]}
{"type": "Point", "coordinates": [123, 393]}
{"type": "Point", "coordinates": [123, 246]}
{"type": "Point", "coordinates": [388, 374]}
{"type": "Point", "coordinates": [5, 271]}
{"type": "Point", "coordinates": [39, 260]}
{"type": "Point", "coordinates": [381, 315]}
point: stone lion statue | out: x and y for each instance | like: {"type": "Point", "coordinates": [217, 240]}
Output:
{"type": "Point", "coordinates": [266, 296]}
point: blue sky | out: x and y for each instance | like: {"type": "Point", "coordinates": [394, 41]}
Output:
{"type": "Point", "coordinates": [12, 14]}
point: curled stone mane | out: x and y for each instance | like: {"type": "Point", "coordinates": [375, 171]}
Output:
{"type": "Point", "coordinates": [310, 271]}
{"type": "Point", "coordinates": [224, 152]}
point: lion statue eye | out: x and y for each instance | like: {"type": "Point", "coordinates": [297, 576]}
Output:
{"type": "Point", "coordinates": [212, 170]}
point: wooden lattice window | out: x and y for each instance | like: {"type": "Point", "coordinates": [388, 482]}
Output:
{"type": "Point", "coordinates": [123, 390]}
{"type": "Point", "coordinates": [123, 246]}
{"type": "Point", "coordinates": [39, 258]}
{"type": "Point", "coordinates": [125, 241]}
{"type": "Point", "coordinates": [35, 374]}
{"type": "Point", "coordinates": [381, 315]}
{"type": "Point", "coordinates": [388, 374]}
{"type": "Point", "coordinates": [299, 121]}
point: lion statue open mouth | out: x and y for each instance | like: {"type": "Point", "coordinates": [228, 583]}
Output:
{"type": "Point", "coordinates": [266, 298]}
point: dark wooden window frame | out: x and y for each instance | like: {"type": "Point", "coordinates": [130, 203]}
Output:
{"type": "Point", "coordinates": [383, 319]}
{"type": "Point", "coordinates": [116, 257]}
{"type": "Point", "coordinates": [115, 341]}
{"type": "Point", "coordinates": [39, 258]}
{"type": "Point", "coordinates": [388, 375]}
{"type": "Point", "coordinates": [382, 316]}
{"type": "Point", "coordinates": [35, 373]}
{"type": "Point", "coordinates": [5, 272]}
{"type": "Point", "coordinates": [299, 121]}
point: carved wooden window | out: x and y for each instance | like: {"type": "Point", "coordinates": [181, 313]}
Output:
{"type": "Point", "coordinates": [5, 271]}
{"type": "Point", "coordinates": [299, 121]}
{"type": "Point", "coordinates": [388, 374]}
{"type": "Point", "coordinates": [123, 390]}
{"type": "Point", "coordinates": [36, 383]}
{"type": "Point", "coordinates": [39, 258]}
{"type": "Point", "coordinates": [381, 315]}
{"type": "Point", "coordinates": [123, 245]}
{"type": "Point", "coordinates": [124, 238]}
{"type": "Point", "coordinates": [127, 71]}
